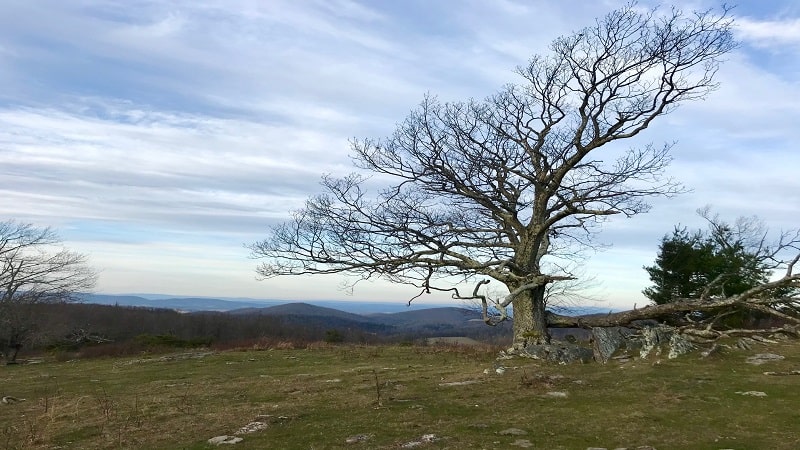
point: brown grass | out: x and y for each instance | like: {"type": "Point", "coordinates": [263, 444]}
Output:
{"type": "Point", "coordinates": [317, 396]}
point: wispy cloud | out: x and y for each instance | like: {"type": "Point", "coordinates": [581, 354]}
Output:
{"type": "Point", "coordinates": [767, 33]}
{"type": "Point", "coordinates": [177, 131]}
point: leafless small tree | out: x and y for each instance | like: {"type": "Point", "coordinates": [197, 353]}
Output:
{"type": "Point", "coordinates": [508, 187]}
{"type": "Point", "coordinates": [34, 268]}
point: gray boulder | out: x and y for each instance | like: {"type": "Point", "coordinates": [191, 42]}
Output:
{"type": "Point", "coordinates": [560, 352]}
{"type": "Point", "coordinates": [610, 342]}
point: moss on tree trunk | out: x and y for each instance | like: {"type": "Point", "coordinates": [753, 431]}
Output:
{"type": "Point", "coordinates": [530, 318]}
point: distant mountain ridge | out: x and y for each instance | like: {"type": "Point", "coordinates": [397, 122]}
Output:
{"type": "Point", "coordinates": [376, 318]}
{"type": "Point", "coordinates": [441, 319]}
{"type": "Point", "coordinates": [194, 304]}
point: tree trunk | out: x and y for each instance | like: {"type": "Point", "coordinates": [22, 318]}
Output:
{"type": "Point", "coordinates": [530, 318]}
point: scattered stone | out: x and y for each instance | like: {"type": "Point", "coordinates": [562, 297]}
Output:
{"type": "Point", "coordinates": [513, 432]}
{"type": "Point", "coordinates": [793, 372]}
{"type": "Point", "coordinates": [641, 447]}
{"type": "Point", "coordinates": [524, 443]}
{"type": "Point", "coordinates": [460, 383]}
{"type": "Point", "coordinates": [9, 400]}
{"type": "Point", "coordinates": [762, 358]}
{"type": "Point", "coordinates": [556, 394]}
{"type": "Point", "coordinates": [500, 370]}
{"type": "Point", "coordinates": [753, 393]}
{"type": "Point", "coordinates": [357, 438]}
{"type": "Point", "coordinates": [252, 427]}
{"type": "Point", "coordinates": [506, 354]}
{"type": "Point", "coordinates": [225, 440]}
{"type": "Point", "coordinates": [335, 380]}
{"type": "Point", "coordinates": [424, 439]}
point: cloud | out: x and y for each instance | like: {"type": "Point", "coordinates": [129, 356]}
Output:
{"type": "Point", "coordinates": [769, 33]}
{"type": "Point", "coordinates": [177, 131]}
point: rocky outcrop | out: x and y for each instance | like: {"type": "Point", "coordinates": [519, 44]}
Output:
{"type": "Point", "coordinates": [560, 352]}
{"type": "Point", "coordinates": [623, 342]}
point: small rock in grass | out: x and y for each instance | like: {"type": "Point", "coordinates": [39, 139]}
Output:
{"type": "Point", "coordinates": [424, 439]}
{"type": "Point", "coordinates": [224, 439]}
{"type": "Point", "coordinates": [762, 358]}
{"type": "Point", "coordinates": [357, 438]}
{"type": "Point", "coordinates": [252, 427]}
{"type": "Point", "coordinates": [513, 432]}
{"type": "Point", "coordinates": [753, 393]}
{"type": "Point", "coordinates": [556, 394]}
{"type": "Point", "coordinates": [524, 443]}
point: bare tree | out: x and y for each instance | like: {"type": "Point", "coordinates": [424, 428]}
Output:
{"type": "Point", "coordinates": [34, 269]}
{"type": "Point", "coordinates": [509, 187]}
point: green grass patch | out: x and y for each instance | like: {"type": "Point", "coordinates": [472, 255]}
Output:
{"type": "Point", "coordinates": [315, 398]}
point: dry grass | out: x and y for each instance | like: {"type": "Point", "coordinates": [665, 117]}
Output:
{"type": "Point", "coordinates": [316, 397]}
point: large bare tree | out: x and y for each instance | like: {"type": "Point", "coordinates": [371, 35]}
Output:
{"type": "Point", "coordinates": [508, 187]}
{"type": "Point", "coordinates": [34, 268]}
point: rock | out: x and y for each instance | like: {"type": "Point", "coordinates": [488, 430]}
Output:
{"type": "Point", "coordinates": [424, 439]}
{"type": "Point", "coordinates": [620, 343]}
{"type": "Point", "coordinates": [357, 438]}
{"type": "Point", "coordinates": [513, 432]}
{"type": "Point", "coordinates": [659, 338]}
{"type": "Point", "coordinates": [556, 394]}
{"type": "Point", "coordinates": [608, 340]}
{"type": "Point", "coordinates": [224, 439]}
{"type": "Point", "coordinates": [762, 358]}
{"type": "Point", "coordinates": [9, 400]}
{"type": "Point", "coordinates": [753, 393]}
{"type": "Point", "coordinates": [560, 352]}
{"type": "Point", "coordinates": [252, 427]}
{"type": "Point", "coordinates": [792, 372]}
{"type": "Point", "coordinates": [524, 443]}
{"type": "Point", "coordinates": [500, 370]}
{"type": "Point", "coordinates": [460, 383]}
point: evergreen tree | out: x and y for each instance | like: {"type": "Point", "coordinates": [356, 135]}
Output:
{"type": "Point", "coordinates": [711, 264]}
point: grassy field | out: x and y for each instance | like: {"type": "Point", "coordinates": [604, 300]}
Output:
{"type": "Point", "coordinates": [391, 397]}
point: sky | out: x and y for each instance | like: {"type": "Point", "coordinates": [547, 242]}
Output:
{"type": "Point", "coordinates": [159, 138]}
